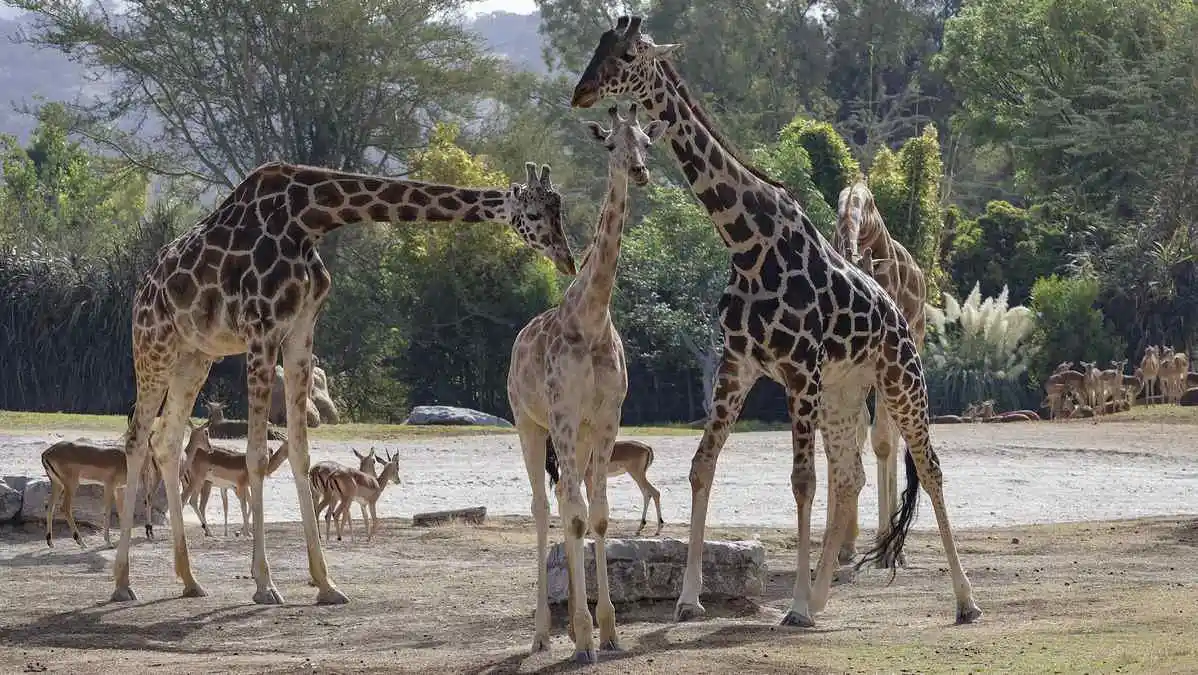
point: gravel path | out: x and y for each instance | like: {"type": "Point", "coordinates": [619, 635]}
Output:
{"type": "Point", "coordinates": [996, 475]}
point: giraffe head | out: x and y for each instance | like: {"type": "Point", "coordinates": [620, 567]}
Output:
{"type": "Point", "coordinates": [851, 207]}
{"type": "Point", "coordinates": [627, 142]}
{"type": "Point", "coordinates": [623, 64]}
{"type": "Point", "coordinates": [535, 210]}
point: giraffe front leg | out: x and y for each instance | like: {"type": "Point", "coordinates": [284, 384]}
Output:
{"type": "Point", "coordinates": [887, 447]}
{"type": "Point", "coordinates": [566, 430]}
{"type": "Point", "coordinates": [260, 374]}
{"type": "Point", "coordinates": [803, 388]}
{"type": "Point", "coordinates": [734, 379]}
{"type": "Point", "coordinates": [297, 381]}
{"type": "Point", "coordinates": [842, 427]}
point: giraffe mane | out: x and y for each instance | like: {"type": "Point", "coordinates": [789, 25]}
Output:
{"type": "Point", "coordinates": [701, 114]}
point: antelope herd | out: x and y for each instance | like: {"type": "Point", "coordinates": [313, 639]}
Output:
{"type": "Point", "coordinates": [1162, 376]}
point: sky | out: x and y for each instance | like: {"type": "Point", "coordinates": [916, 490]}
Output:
{"type": "Point", "coordinates": [514, 6]}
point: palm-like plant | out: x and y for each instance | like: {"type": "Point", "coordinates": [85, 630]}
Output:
{"type": "Point", "coordinates": [977, 350]}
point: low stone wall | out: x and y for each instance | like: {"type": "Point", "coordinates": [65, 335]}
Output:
{"type": "Point", "coordinates": [652, 569]}
{"type": "Point", "coordinates": [23, 499]}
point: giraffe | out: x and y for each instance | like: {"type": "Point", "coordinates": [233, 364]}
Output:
{"type": "Point", "coordinates": [247, 279]}
{"type": "Point", "coordinates": [795, 311]}
{"type": "Point", "coordinates": [567, 383]}
{"type": "Point", "coordinates": [861, 234]}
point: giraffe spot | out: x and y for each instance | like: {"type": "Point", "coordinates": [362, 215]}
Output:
{"type": "Point", "coordinates": [736, 344]}
{"type": "Point", "coordinates": [266, 252]}
{"type": "Point", "coordinates": [701, 139]}
{"type": "Point", "coordinates": [349, 216]}
{"type": "Point", "coordinates": [782, 343]}
{"type": "Point", "coordinates": [379, 213]}
{"type": "Point", "coordinates": [298, 197]}
{"type": "Point", "coordinates": [288, 248]}
{"type": "Point", "coordinates": [738, 230]}
{"type": "Point", "coordinates": [249, 283]}
{"type": "Point", "coordinates": [799, 292]}
{"type": "Point", "coordinates": [360, 199]}
{"type": "Point", "coordinates": [836, 349]}
{"type": "Point", "coordinates": [371, 184]}
{"type": "Point", "coordinates": [438, 190]}
{"type": "Point", "coordinates": [309, 177]}
{"type": "Point", "coordinates": [449, 203]}
{"type": "Point", "coordinates": [670, 114]}
{"type": "Point", "coordinates": [328, 195]}
{"type": "Point", "coordinates": [469, 196]}
{"type": "Point", "coordinates": [287, 304]}
{"type": "Point", "coordinates": [270, 183]}
{"type": "Point", "coordinates": [767, 205]}
{"type": "Point", "coordinates": [743, 285]}
{"type": "Point", "coordinates": [771, 272]}
{"type": "Point", "coordinates": [699, 165]}
{"type": "Point", "coordinates": [419, 198]}
{"type": "Point", "coordinates": [734, 313]}
{"type": "Point", "coordinates": [860, 322]}
{"type": "Point", "coordinates": [317, 219]}
{"type": "Point", "coordinates": [747, 260]}
{"type": "Point", "coordinates": [716, 160]}
{"type": "Point", "coordinates": [843, 325]}
{"type": "Point", "coordinates": [407, 213]}
{"type": "Point", "coordinates": [243, 193]}
{"type": "Point", "coordinates": [273, 280]}
{"type": "Point", "coordinates": [692, 173]}
{"type": "Point", "coordinates": [181, 289]}
{"type": "Point", "coordinates": [209, 304]}
{"type": "Point", "coordinates": [472, 215]}
{"type": "Point", "coordinates": [761, 314]}
{"type": "Point", "coordinates": [727, 195]}
{"type": "Point", "coordinates": [765, 224]}
{"type": "Point", "coordinates": [859, 343]}
{"type": "Point", "coordinates": [791, 321]}
{"type": "Point", "coordinates": [244, 238]}
{"type": "Point", "coordinates": [277, 221]}
{"type": "Point", "coordinates": [191, 255]}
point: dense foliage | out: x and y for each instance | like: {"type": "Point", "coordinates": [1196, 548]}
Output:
{"type": "Point", "coordinates": [1042, 152]}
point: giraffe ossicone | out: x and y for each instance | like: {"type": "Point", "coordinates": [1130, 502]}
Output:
{"type": "Point", "coordinates": [794, 311]}
{"type": "Point", "coordinates": [247, 279]}
{"type": "Point", "coordinates": [566, 384]}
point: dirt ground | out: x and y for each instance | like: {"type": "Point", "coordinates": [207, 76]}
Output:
{"type": "Point", "coordinates": [1113, 596]}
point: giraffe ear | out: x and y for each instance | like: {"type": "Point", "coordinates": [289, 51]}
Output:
{"type": "Point", "coordinates": [659, 51]}
{"type": "Point", "coordinates": [545, 176]}
{"type": "Point", "coordinates": [597, 131]}
{"type": "Point", "coordinates": [657, 129]}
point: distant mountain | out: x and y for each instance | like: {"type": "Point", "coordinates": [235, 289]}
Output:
{"type": "Point", "coordinates": [27, 72]}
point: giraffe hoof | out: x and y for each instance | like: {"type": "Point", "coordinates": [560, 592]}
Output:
{"type": "Point", "coordinates": [797, 620]}
{"type": "Point", "coordinates": [540, 643]}
{"type": "Point", "coordinates": [123, 594]}
{"type": "Point", "coordinates": [331, 596]}
{"type": "Point", "coordinates": [270, 596]}
{"type": "Point", "coordinates": [689, 612]}
{"type": "Point", "coordinates": [194, 591]}
{"type": "Point", "coordinates": [586, 656]}
{"type": "Point", "coordinates": [968, 613]}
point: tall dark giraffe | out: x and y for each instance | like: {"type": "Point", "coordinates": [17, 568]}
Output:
{"type": "Point", "coordinates": [794, 311]}
{"type": "Point", "coordinates": [247, 279]}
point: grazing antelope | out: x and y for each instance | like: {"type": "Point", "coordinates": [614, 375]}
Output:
{"type": "Point", "coordinates": [631, 457]}
{"type": "Point", "coordinates": [69, 463]}
{"type": "Point", "coordinates": [352, 485]}
{"type": "Point", "coordinates": [206, 466]}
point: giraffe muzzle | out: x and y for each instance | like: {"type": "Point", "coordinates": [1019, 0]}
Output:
{"type": "Point", "coordinates": [640, 175]}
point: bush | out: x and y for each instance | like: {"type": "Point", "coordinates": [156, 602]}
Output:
{"type": "Point", "coordinates": [1069, 327]}
{"type": "Point", "coordinates": [978, 350]}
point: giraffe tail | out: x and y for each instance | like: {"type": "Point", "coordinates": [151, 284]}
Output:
{"type": "Point", "coordinates": [551, 463]}
{"type": "Point", "coordinates": [890, 546]}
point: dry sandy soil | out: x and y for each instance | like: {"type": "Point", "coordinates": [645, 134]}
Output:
{"type": "Point", "coordinates": [1079, 597]}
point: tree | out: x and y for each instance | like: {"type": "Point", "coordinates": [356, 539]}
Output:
{"type": "Point", "coordinates": [1006, 247]}
{"type": "Point", "coordinates": [214, 89]}
{"type": "Point", "coordinates": [1069, 325]}
{"type": "Point", "coordinates": [832, 165]}
{"type": "Point", "coordinates": [673, 269]}
{"type": "Point", "coordinates": [446, 302]}
{"type": "Point", "coordinates": [906, 188]}
{"type": "Point", "coordinates": [56, 191]}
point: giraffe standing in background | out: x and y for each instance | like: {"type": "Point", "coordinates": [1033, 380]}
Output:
{"type": "Point", "coordinates": [795, 311]}
{"type": "Point", "coordinates": [567, 383]}
{"type": "Point", "coordinates": [861, 234]}
{"type": "Point", "coordinates": [247, 279]}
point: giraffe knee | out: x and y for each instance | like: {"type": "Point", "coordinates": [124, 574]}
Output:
{"type": "Point", "coordinates": [802, 481]}
{"type": "Point", "coordinates": [577, 527]}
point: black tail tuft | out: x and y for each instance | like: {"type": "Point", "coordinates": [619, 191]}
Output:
{"type": "Point", "coordinates": [551, 463]}
{"type": "Point", "coordinates": [891, 545]}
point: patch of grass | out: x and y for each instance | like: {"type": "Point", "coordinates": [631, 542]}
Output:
{"type": "Point", "coordinates": [1158, 414]}
{"type": "Point", "coordinates": [681, 429]}
{"type": "Point", "coordinates": [33, 421]}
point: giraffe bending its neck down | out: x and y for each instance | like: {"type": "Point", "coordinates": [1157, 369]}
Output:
{"type": "Point", "coordinates": [567, 382]}
{"type": "Point", "coordinates": [247, 279]}
{"type": "Point", "coordinates": [861, 235]}
{"type": "Point", "coordinates": [795, 311]}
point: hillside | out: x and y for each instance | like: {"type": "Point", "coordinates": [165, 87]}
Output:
{"type": "Point", "coordinates": [27, 73]}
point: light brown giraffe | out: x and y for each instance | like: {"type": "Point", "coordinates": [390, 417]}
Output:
{"type": "Point", "coordinates": [795, 311]}
{"type": "Point", "coordinates": [567, 383]}
{"type": "Point", "coordinates": [1150, 364]}
{"type": "Point", "coordinates": [247, 278]}
{"type": "Point", "coordinates": [861, 235]}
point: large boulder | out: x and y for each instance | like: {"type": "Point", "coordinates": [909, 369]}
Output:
{"type": "Point", "coordinates": [88, 504]}
{"type": "Point", "coordinates": [1190, 397]}
{"type": "Point", "coordinates": [10, 503]}
{"type": "Point", "coordinates": [652, 569]}
{"type": "Point", "coordinates": [446, 414]}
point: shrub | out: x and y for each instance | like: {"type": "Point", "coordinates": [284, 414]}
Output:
{"type": "Point", "coordinates": [1069, 327]}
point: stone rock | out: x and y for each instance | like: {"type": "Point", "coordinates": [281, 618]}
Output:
{"type": "Point", "coordinates": [16, 482]}
{"type": "Point", "coordinates": [278, 403]}
{"type": "Point", "coordinates": [1190, 397]}
{"type": "Point", "coordinates": [322, 398]}
{"type": "Point", "coordinates": [88, 505]}
{"type": "Point", "coordinates": [652, 569]}
{"type": "Point", "coordinates": [445, 414]}
{"type": "Point", "coordinates": [10, 503]}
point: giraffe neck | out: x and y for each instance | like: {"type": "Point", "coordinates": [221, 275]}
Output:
{"type": "Point", "coordinates": [745, 208]}
{"type": "Point", "coordinates": [322, 200]}
{"type": "Point", "coordinates": [589, 296]}
{"type": "Point", "coordinates": [872, 234]}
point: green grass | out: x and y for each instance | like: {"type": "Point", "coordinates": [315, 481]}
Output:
{"type": "Point", "coordinates": [1159, 414]}
{"type": "Point", "coordinates": [33, 421]}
